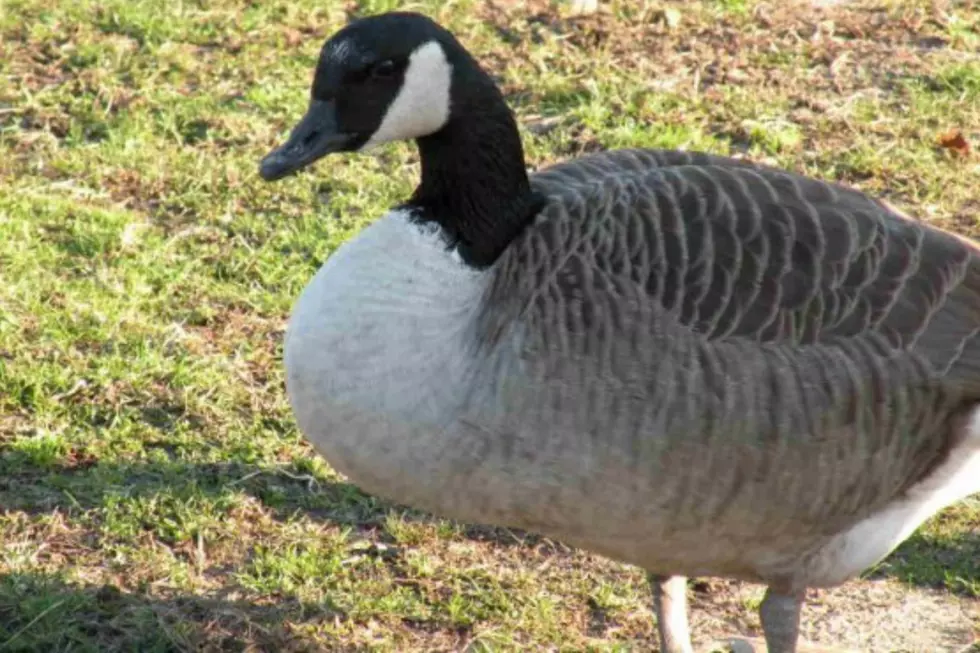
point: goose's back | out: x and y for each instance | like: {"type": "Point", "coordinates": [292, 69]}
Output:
{"type": "Point", "coordinates": [728, 252]}
{"type": "Point", "coordinates": [756, 354]}
{"type": "Point", "coordinates": [737, 250]}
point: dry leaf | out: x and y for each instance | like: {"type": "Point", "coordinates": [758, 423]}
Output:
{"type": "Point", "coordinates": [293, 37]}
{"type": "Point", "coordinates": [954, 141]}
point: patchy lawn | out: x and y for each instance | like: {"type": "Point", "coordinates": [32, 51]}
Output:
{"type": "Point", "coordinates": [154, 492]}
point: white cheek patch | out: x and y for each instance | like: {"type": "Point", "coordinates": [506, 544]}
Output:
{"type": "Point", "coordinates": [422, 105]}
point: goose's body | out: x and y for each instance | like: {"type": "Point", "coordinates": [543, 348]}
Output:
{"type": "Point", "coordinates": [684, 362]}
{"type": "Point", "coordinates": [571, 389]}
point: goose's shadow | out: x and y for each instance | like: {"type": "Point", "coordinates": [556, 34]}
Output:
{"type": "Point", "coordinates": [950, 561]}
{"type": "Point", "coordinates": [42, 612]}
{"type": "Point", "coordinates": [286, 490]}
{"type": "Point", "coordinates": [47, 611]}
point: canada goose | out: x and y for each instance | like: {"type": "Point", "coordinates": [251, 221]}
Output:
{"type": "Point", "coordinates": [685, 362]}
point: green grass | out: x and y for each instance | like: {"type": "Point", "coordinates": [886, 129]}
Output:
{"type": "Point", "coordinates": [155, 493]}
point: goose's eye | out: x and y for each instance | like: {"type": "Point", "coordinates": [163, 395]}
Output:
{"type": "Point", "coordinates": [383, 69]}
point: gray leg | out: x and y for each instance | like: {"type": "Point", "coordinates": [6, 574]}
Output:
{"type": "Point", "coordinates": [780, 614]}
{"type": "Point", "coordinates": [670, 604]}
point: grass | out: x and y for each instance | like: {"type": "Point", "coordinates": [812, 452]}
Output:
{"type": "Point", "coordinates": [155, 493]}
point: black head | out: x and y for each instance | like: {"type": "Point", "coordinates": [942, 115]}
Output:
{"type": "Point", "coordinates": [379, 79]}
{"type": "Point", "coordinates": [400, 76]}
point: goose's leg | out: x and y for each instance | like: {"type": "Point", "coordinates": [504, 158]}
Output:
{"type": "Point", "coordinates": [780, 614]}
{"type": "Point", "coordinates": [670, 605]}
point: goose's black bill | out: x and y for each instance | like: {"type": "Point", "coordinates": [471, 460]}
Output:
{"type": "Point", "coordinates": [315, 136]}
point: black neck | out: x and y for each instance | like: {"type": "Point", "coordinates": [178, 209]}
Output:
{"type": "Point", "coordinates": [474, 183]}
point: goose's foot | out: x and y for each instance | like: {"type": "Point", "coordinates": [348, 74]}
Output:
{"type": "Point", "coordinates": [670, 606]}
{"type": "Point", "coordinates": [780, 615]}
{"type": "Point", "coordinates": [758, 645]}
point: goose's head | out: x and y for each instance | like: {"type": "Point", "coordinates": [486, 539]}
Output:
{"type": "Point", "coordinates": [400, 76]}
{"type": "Point", "coordinates": [382, 78]}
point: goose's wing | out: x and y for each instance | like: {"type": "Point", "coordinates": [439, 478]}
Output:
{"type": "Point", "coordinates": [771, 345]}
{"type": "Point", "coordinates": [734, 250]}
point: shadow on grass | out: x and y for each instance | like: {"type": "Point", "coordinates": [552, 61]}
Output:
{"type": "Point", "coordinates": [950, 561]}
{"type": "Point", "coordinates": [286, 490]}
{"type": "Point", "coordinates": [45, 613]}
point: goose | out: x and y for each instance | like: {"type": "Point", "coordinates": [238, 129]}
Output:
{"type": "Point", "coordinates": [688, 363]}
